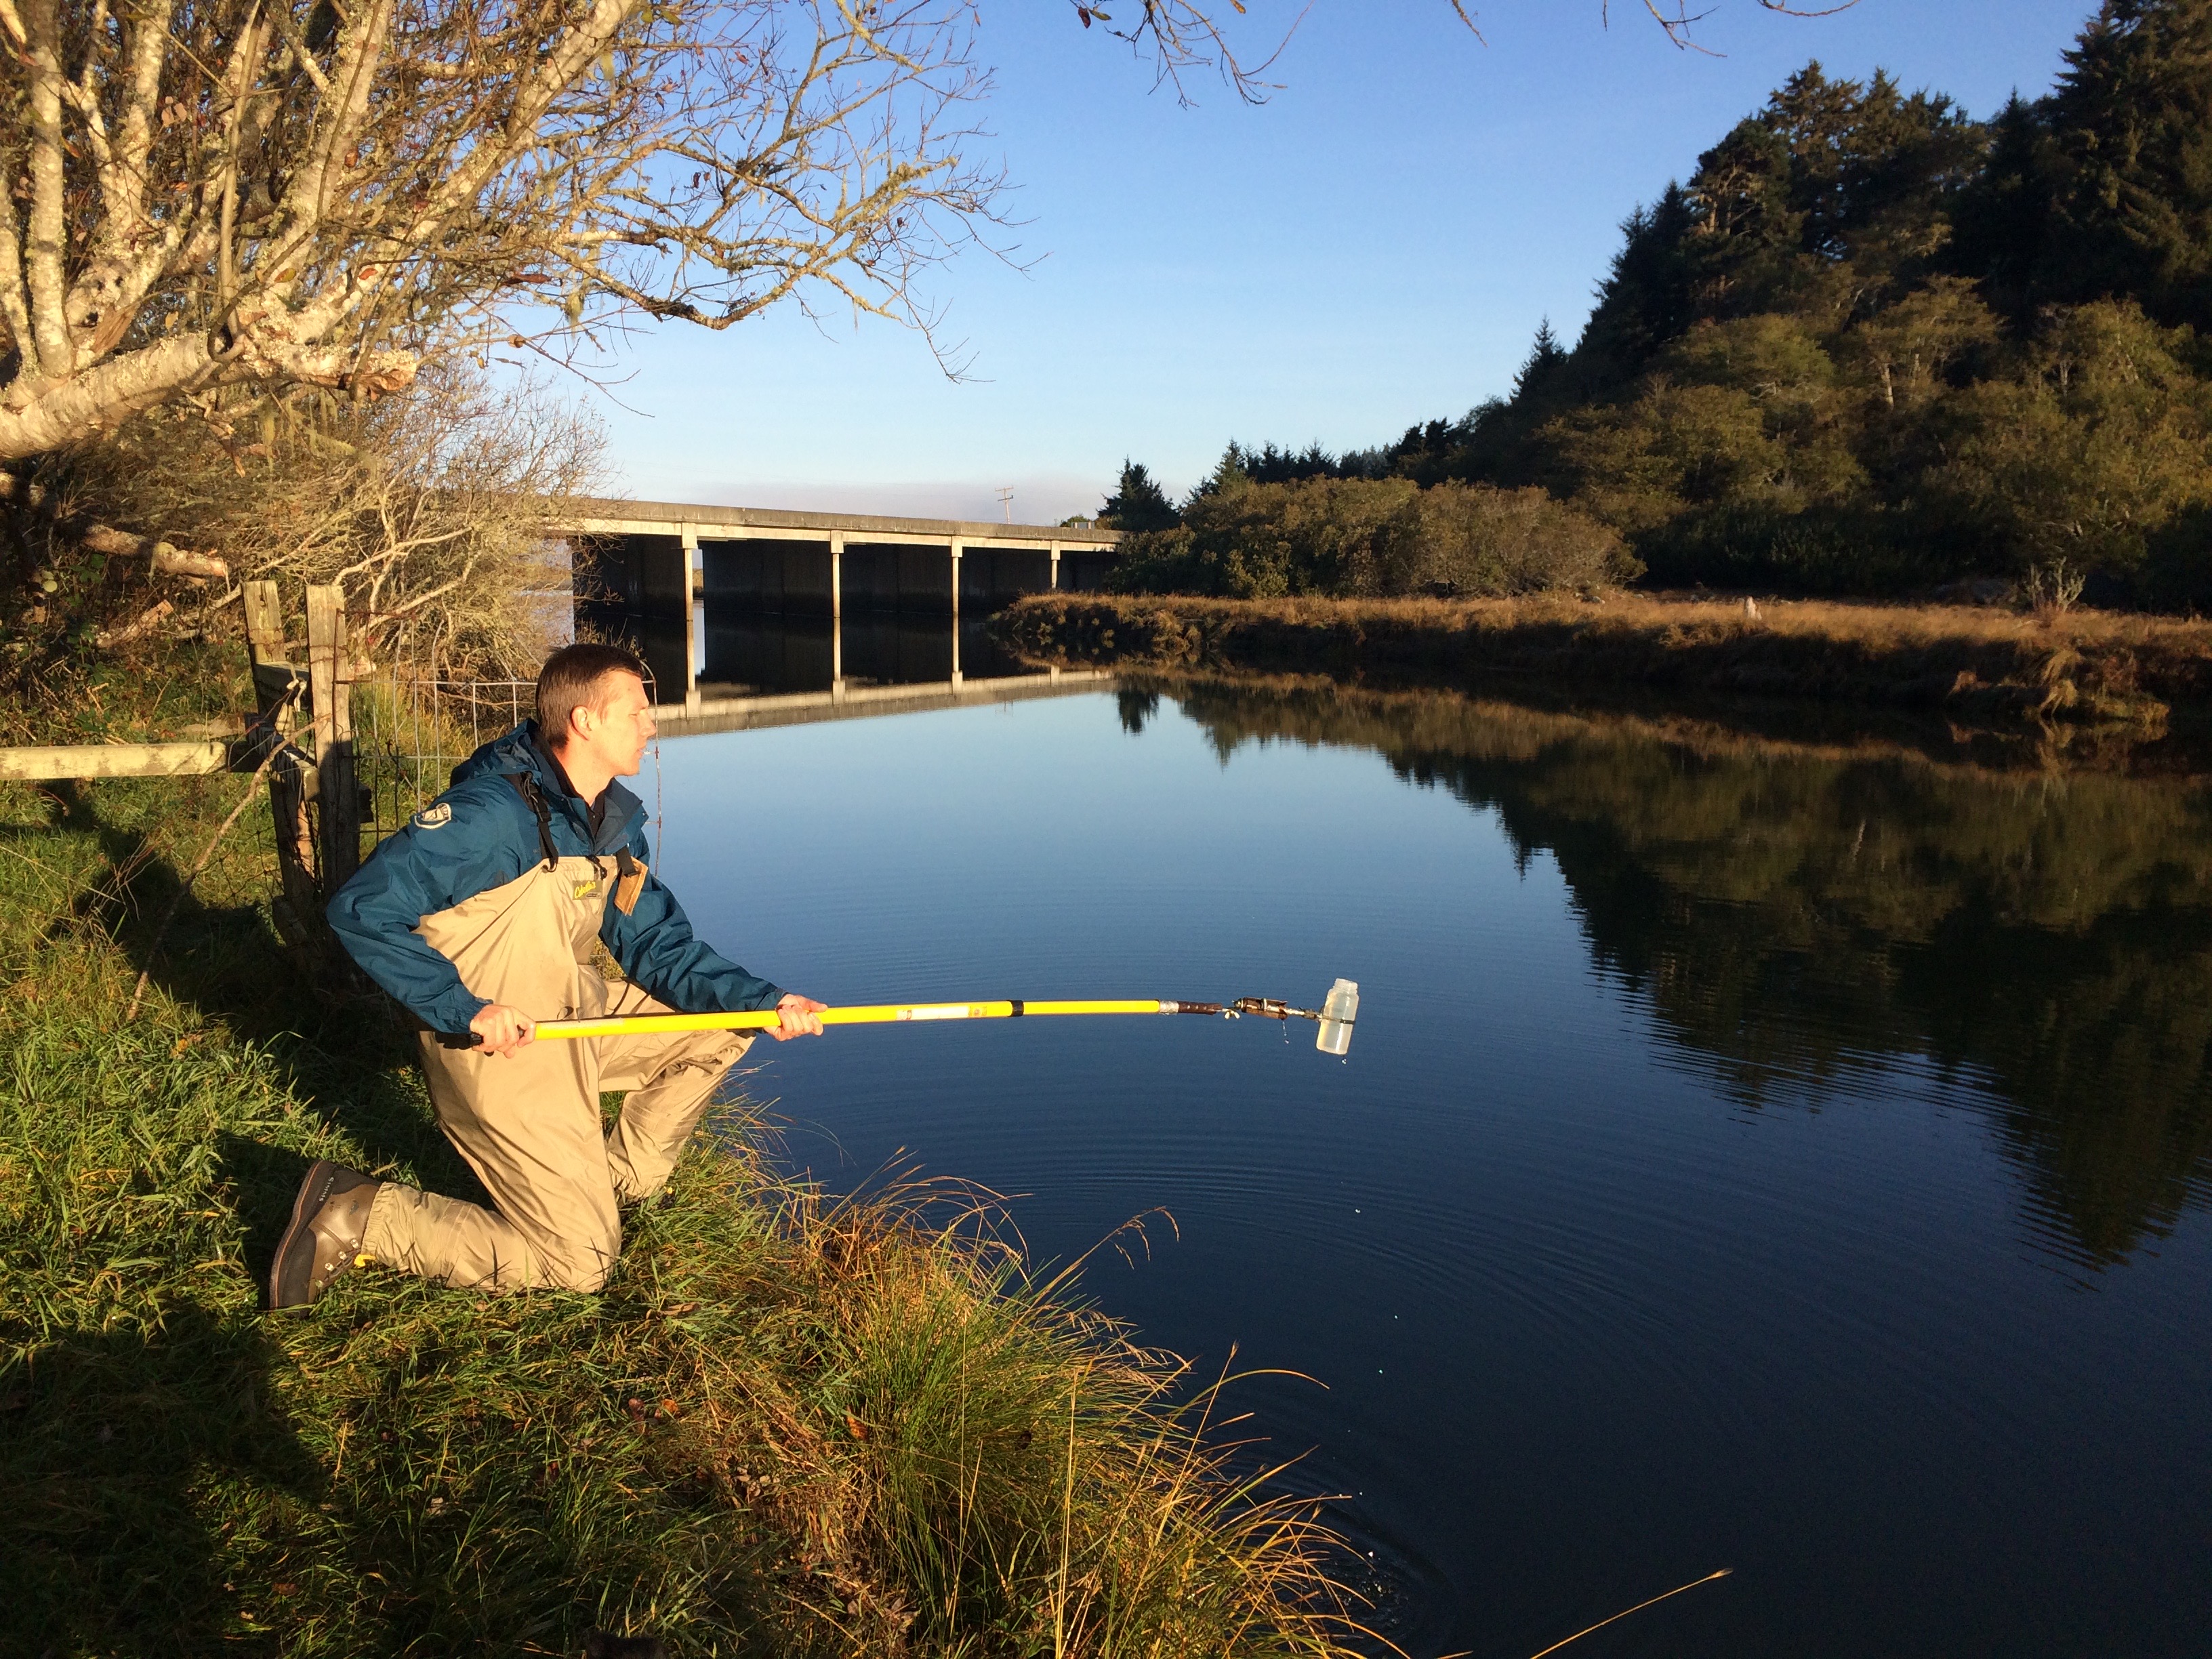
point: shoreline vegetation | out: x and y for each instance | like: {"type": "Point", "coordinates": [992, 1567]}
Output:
{"type": "Point", "coordinates": [2077, 667]}
{"type": "Point", "coordinates": [791, 1424]}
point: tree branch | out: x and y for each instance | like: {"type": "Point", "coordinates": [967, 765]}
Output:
{"type": "Point", "coordinates": [49, 191]}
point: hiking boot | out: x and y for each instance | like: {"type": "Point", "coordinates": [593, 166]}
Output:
{"type": "Point", "coordinates": [330, 1219]}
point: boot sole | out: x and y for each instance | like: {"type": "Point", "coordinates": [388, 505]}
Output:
{"type": "Point", "coordinates": [302, 1211]}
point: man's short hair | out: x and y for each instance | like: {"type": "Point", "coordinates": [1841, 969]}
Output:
{"type": "Point", "coordinates": [570, 680]}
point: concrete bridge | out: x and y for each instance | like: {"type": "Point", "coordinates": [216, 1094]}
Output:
{"type": "Point", "coordinates": [659, 566]}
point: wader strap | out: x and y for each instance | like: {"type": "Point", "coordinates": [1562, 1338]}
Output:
{"type": "Point", "coordinates": [529, 792]}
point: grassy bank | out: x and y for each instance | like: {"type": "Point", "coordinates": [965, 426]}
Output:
{"type": "Point", "coordinates": [788, 1425]}
{"type": "Point", "coordinates": [1975, 663]}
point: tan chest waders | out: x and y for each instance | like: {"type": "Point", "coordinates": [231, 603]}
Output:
{"type": "Point", "coordinates": [530, 1124]}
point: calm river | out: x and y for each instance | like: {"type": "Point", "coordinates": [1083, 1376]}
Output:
{"type": "Point", "coordinates": [1785, 1157]}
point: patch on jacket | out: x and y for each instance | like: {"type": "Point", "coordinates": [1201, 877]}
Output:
{"type": "Point", "coordinates": [585, 887]}
{"type": "Point", "coordinates": [434, 817]}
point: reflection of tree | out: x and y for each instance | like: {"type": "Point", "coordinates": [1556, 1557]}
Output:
{"type": "Point", "coordinates": [1137, 706]}
{"type": "Point", "coordinates": [1794, 912]}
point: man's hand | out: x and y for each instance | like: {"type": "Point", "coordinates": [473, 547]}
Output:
{"type": "Point", "coordinates": [501, 1030]}
{"type": "Point", "coordinates": [799, 1018]}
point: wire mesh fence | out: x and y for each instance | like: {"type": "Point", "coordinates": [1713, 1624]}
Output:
{"type": "Point", "coordinates": [412, 726]}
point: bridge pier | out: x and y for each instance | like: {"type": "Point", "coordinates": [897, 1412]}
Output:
{"type": "Point", "coordinates": [691, 605]}
{"type": "Point", "coordinates": [838, 614]}
{"type": "Point", "coordinates": [955, 614]}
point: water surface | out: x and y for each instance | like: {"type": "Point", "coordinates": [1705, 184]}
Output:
{"type": "Point", "coordinates": [1791, 1157]}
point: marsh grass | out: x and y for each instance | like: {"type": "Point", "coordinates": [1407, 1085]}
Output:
{"type": "Point", "coordinates": [2073, 666]}
{"type": "Point", "coordinates": [790, 1424]}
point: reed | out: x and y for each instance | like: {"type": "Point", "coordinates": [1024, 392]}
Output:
{"type": "Point", "coordinates": [791, 1423]}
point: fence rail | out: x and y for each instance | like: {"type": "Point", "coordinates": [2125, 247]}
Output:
{"type": "Point", "coordinates": [116, 760]}
{"type": "Point", "coordinates": [359, 748]}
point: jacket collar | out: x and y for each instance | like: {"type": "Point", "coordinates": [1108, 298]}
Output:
{"type": "Point", "coordinates": [519, 752]}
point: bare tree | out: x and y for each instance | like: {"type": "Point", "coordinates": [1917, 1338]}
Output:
{"type": "Point", "coordinates": [201, 193]}
{"type": "Point", "coordinates": [438, 513]}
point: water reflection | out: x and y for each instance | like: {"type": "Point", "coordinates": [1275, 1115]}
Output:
{"type": "Point", "coordinates": [743, 651]}
{"type": "Point", "coordinates": [1796, 913]}
{"type": "Point", "coordinates": [746, 650]}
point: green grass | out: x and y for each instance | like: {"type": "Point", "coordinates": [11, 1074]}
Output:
{"type": "Point", "coordinates": [788, 1425]}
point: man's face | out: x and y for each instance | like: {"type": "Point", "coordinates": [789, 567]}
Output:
{"type": "Point", "coordinates": [613, 731]}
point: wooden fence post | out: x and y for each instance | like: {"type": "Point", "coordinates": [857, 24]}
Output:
{"type": "Point", "coordinates": [330, 677]}
{"type": "Point", "coordinates": [298, 911]}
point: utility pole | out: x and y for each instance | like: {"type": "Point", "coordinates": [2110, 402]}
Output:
{"type": "Point", "coordinates": [1005, 493]}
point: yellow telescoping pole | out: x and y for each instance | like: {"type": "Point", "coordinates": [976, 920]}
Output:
{"type": "Point", "coordinates": [643, 1024]}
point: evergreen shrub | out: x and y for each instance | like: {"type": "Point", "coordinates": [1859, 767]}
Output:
{"type": "Point", "coordinates": [1361, 537]}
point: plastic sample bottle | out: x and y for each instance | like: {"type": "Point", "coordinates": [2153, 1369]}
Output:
{"type": "Point", "coordinates": [1337, 1015]}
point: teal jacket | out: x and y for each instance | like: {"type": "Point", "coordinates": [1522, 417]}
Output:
{"type": "Point", "coordinates": [487, 833]}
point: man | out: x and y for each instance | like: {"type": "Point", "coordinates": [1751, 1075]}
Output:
{"type": "Point", "coordinates": [480, 917]}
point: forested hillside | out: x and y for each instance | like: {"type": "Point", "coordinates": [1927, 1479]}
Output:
{"type": "Point", "coordinates": [1872, 345]}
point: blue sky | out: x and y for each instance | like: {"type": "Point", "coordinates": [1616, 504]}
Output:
{"type": "Point", "coordinates": [1374, 245]}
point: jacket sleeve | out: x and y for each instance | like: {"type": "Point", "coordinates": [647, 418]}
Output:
{"type": "Point", "coordinates": [431, 865]}
{"type": "Point", "coordinates": [656, 947]}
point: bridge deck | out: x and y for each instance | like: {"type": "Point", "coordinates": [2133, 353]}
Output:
{"type": "Point", "coordinates": [701, 522]}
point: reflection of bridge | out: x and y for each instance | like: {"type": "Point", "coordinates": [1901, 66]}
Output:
{"type": "Point", "coordinates": [722, 714]}
{"type": "Point", "coordinates": [660, 565]}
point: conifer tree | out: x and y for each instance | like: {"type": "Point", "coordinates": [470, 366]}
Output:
{"type": "Point", "coordinates": [2132, 122]}
{"type": "Point", "coordinates": [1647, 299]}
{"type": "Point", "coordinates": [1138, 503]}
{"type": "Point", "coordinates": [1540, 372]}
{"type": "Point", "coordinates": [1230, 473]}
{"type": "Point", "coordinates": [2001, 220]}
